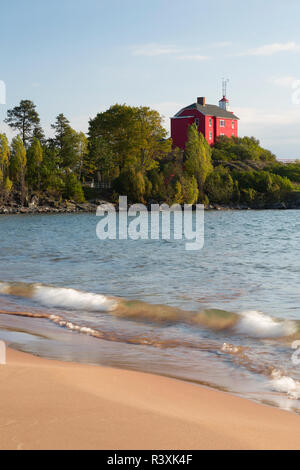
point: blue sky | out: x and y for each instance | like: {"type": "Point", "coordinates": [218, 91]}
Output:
{"type": "Point", "coordinates": [80, 56]}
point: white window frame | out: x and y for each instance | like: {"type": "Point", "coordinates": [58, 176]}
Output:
{"type": "Point", "coordinates": [222, 135]}
{"type": "Point", "coordinates": [222, 122]}
{"type": "Point", "coordinates": [197, 121]}
{"type": "Point", "coordinates": [233, 125]}
{"type": "Point", "coordinates": [210, 135]}
{"type": "Point", "coordinates": [210, 122]}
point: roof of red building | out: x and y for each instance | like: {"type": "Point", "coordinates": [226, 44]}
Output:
{"type": "Point", "coordinates": [224, 99]}
{"type": "Point", "coordinates": [209, 110]}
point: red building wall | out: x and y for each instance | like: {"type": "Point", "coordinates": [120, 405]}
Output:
{"type": "Point", "coordinates": [209, 128]}
{"type": "Point", "coordinates": [227, 130]}
{"type": "Point", "coordinates": [179, 127]}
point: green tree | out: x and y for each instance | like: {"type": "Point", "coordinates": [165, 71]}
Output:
{"type": "Point", "coordinates": [241, 149]}
{"type": "Point", "coordinates": [219, 185]}
{"type": "Point", "coordinates": [8, 185]}
{"type": "Point", "coordinates": [159, 188]}
{"type": "Point", "coordinates": [189, 189]}
{"type": "Point", "coordinates": [83, 152]}
{"type": "Point", "coordinates": [61, 126]}
{"type": "Point", "coordinates": [151, 142]}
{"type": "Point", "coordinates": [178, 197]}
{"type": "Point", "coordinates": [67, 142]}
{"type": "Point", "coordinates": [101, 161]}
{"type": "Point", "coordinates": [4, 161]}
{"type": "Point", "coordinates": [38, 133]}
{"type": "Point", "coordinates": [131, 184]}
{"type": "Point", "coordinates": [18, 165]}
{"type": "Point", "coordinates": [289, 170]}
{"type": "Point", "coordinates": [52, 176]}
{"type": "Point", "coordinates": [25, 119]}
{"type": "Point", "coordinates": [135, 136]}
{"type": "Point", "coordinates": [73, 188]}
{"type": "Point", "coordinates": [34, 164]}
{"type": "Point", "coordinates": [198, 157]}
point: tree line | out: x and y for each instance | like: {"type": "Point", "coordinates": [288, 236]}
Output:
{"type": "Point", "coordinates": [128, 148]}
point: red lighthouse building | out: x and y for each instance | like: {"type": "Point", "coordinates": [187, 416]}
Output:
{"type": "Point", "coordinates": [212, 121]}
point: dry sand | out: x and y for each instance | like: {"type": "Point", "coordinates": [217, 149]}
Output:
{"type": "Point", "coordinates": [47, 404]}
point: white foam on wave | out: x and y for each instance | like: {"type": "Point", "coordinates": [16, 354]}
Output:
{"type": "Point", "coordinates": [258, 325]}
{"type": "Point", "coordinates": [72, 326]}
{"type": "Point", "coordinates": [230, 348]}
{"type": "Point", "coordinates": [63, 297]}
{"type": "Point", "coordinates": [285, 384]}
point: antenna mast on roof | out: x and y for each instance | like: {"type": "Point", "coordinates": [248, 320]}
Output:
{"type": "Point", "coordinates": [224, 86]}
{"type": "Point", "coordinates": [224, 103]}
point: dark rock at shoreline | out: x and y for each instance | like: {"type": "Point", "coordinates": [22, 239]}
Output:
{"type": "Point", "coordinates": [47, 205]}
{"type": "Point", "coordinates": [35, 208]}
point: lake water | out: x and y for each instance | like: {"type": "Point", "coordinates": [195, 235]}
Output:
{"type": "Point", "coordinates": [225, 316]}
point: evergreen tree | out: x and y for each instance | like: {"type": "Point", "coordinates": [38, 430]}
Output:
{"type": "Point", "coordinates": [25, 119]}
{"type": "Point", "coordinates": [73, 188]}
{"type": "Point", "coordinates": [61, 127]}
{"type": "Point", "coordinates": [34, 164]}
{"type": "Point", "coordinates": [38, 133]}
{"type": "Point", "coordinates": [83, 152]}
{"type": "Point", "coordinates": [66, 141]}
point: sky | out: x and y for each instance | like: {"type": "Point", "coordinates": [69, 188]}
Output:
{"type": "Point", "coordinates": [79, 57]}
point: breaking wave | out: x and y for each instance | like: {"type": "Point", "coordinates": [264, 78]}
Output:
{"type": "Point", "coordinates": [258, 325]}
{"type": "Point", "coordinates": [285, 384]}
{"type": "Point", "coordinates": [60, 297]}
{"type": "Point", "coordinates": [253, 324]}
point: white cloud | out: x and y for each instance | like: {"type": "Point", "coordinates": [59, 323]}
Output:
{"type": "Point", "coordinates": [276, 130]}
{"type": "Point", "coordinates": [196, 57]}
{"type": "Point", "coordinates": [153, 49]}
{"type": "Point", "coordinates": [270, 49]}
{"type": "Point", "coordinates": [259, 116]}
{"type": "Point", "coordinates": [285, 82]}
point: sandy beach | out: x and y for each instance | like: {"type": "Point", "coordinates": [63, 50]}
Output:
{"type": "Point", "coordinates": [47, 404]}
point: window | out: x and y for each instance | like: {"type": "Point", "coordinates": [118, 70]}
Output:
{"type": "Point", "coordinates": [222, 123]}
{"type": "Point", "coordinates": [210, 135]}
{"type": "Point", "coordinates": [210, 122]}
{"type": "Point", "coordinates": [222, 135]}
{"type": "Point", "coordinates": [197, 122]}
{"type": "Point", "coordinates": [232, 124]}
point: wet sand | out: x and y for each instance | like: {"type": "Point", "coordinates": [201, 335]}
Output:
{"type": "Point", "coordinates": [47, 404]}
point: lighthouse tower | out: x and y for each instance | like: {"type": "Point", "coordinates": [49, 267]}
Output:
{"type": "Point", "coordinates": [224, 103]}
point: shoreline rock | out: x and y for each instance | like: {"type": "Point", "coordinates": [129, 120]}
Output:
{"type": "Point", "coordinates": [47, 209]}
{"type": "Point", "coordinates": [47, 206]}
